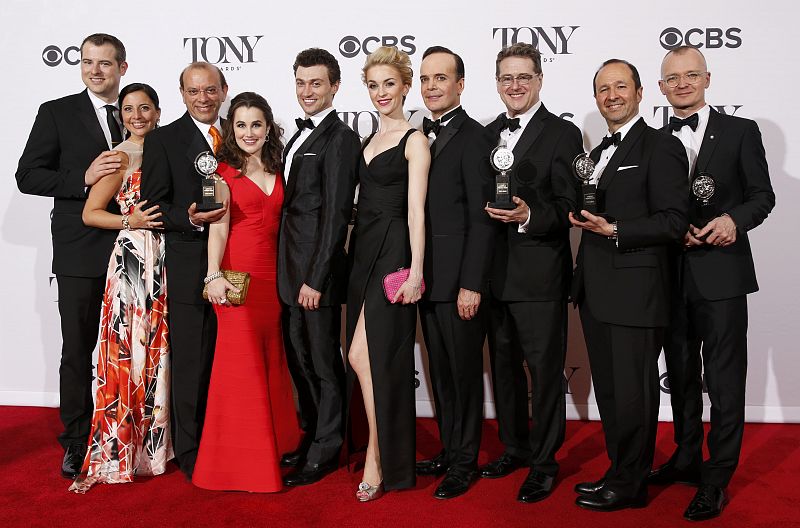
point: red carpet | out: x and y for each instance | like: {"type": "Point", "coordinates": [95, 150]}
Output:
{"type": "Point", "coordinates": [764, 491]}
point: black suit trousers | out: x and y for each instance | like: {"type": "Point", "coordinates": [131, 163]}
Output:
{"type": "Point", "coordinates": [193, 331]}
{"type": "Point", "coordinates": [534, 332]}
{"type": "Point", "coordinates": [314, 357]}
{"type": "Point", "coordinates": [624, 363]}
{"type": "Point", "coordinates": [719, 328]}
{"type": "Point", "coordinates": [79, 303]}
{"type": "Point", "coordinates": [455, 359]}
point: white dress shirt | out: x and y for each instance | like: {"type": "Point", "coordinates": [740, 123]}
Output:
{"type": "Point", "coordinates": [100, 109]}
{"type": "Point", "coordinates": [611, 149]}
{"type": "Point", "coordinates": [316, 119]}
{"type": "Point", "coordinates": [432, 134]}
{"type": "Point", "coordinates": [693, 139]}
{"type": "Point", "coordinates": [205, 129]}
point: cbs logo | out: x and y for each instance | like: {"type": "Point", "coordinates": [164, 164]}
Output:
{"type": "Point", "coordinates": [711, 38]}
{"type": "Point", "coordinates": [53, 56]}
{"type": "Point", "coordinates": [351, 46]}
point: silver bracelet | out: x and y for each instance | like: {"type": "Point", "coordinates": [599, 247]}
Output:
{"type": "Point", "coordinates": [212, 276]}
{"type": "Point", "coordinates": [126, 224]}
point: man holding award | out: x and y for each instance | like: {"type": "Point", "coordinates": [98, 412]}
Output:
{"type": "Point", "coordinates": [534, 190]}
{"type": "Point", "coordinates": [621, 280]}
{"type": "Point", "coordinates": [458, 251]}
{"type": "Point", "coordinates": [178, 158]}
{"type": "Point", "coordinates": [730, 194]}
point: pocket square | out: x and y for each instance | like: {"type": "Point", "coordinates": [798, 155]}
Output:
{"type": "Point", "coordinates": [309, 154]}
{"type": "Point", "coordinates": [626, 167]}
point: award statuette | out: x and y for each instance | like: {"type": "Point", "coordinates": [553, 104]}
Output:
{"type": "Point", "coordinates": [502, 159]}
{"type": "Point", "coordinates": [583, 168]}
{"type": "Point", "coordinates": [703, 187]}
{"type": "Point", "coordinates": [206, 165]}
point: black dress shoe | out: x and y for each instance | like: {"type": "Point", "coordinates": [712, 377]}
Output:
{"type": "Point", "coordinates": [309, 474]}
{"type": "Point", "coordinates": [73, 460]}
{"type": "Point", "coordinates": [537, 486]}
{"type": "Point", "coordinates": [590, 488]}
{"type": "Point", "coordinates": [669, 474]}
{"type": "Point", "coordinates": [292, 458]}
{"type": "Point", "coordinates": [456, 483]}
{"type": "Point", "coordinates": [435, 466]}
{"type": "Point", "coordinates": [707, 503]}
{"type": "Point", "coordinates": [505, 465]}
{"type": "Point", "coordinates": [609, 500]}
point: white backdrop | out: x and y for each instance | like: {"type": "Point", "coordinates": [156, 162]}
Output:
{"type": "Point", "coordinates": [747, 45]}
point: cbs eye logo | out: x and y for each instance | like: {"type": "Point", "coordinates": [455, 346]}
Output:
{"type": "Point", "coordinates": [710, 38]}
{"type": "Point", "coordinates": [351, 46]}
{"type": "Point", "coordinates": [53, 56]}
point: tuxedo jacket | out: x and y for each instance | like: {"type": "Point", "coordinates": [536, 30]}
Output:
{"type": "Point", "coordinates": [733, 154]}
{"type": "Point", "coordinates": [537, 265]}
{"type": "Point", "coordinates": [317, 208]}
{"type": "Point", "coordinates": [459, 235]}
{"type": "Point", "coordinates": [170, 180]}
{"type": "Point", "coordinates": [645, 189]}
{"type": "Point", "coordinates": [66, 137]}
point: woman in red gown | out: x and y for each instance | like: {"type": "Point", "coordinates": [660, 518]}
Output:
{"type": "Point", "coordinates": [250, 418]}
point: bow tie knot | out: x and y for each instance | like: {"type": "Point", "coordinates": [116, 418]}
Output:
{"type": "Point", "coordinates": [676, 123]}
{"type": "Point", "coordinates": [304, 123]}
{"type": "Point", "coordinates": [613, 139]}
{"type": "Point", "coordinates": [510, 124]}
{"type": "Point", "coordinates": [429, 125]}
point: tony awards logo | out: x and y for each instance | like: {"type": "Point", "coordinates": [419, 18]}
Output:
{"type": "Point", "coordinates": [206, 165]}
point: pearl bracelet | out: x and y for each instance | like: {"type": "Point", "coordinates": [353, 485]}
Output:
{"type": "Point", "coordinates": [212, 276]}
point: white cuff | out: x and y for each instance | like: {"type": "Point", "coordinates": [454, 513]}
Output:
{"type": "Point", "coordinates": [523, 228]}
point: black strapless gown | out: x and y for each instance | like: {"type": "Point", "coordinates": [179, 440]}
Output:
{"type": "Point", "coordinates": [380, 245]}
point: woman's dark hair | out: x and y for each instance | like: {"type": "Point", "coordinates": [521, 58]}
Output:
{"type": "Point", "coordinates": [136, 87]}
{"type": "Point", "coordinates": [234, 156]}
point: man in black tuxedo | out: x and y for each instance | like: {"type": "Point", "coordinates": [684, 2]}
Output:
{"type": "Point", "coordinates": [67, 152]}
{"type": "Point", "coordinates": [714, 272]}
{"type": "Point", "coordinates": [530, 275]}
{"type": "Point", "coordinates": [170, 180]}
{"type": "Point", "coordinates": [622, 281]}
{"type": "Point", "coordinates": [320, 164]}
{"type": "Point", "coordinates": [458, 252]}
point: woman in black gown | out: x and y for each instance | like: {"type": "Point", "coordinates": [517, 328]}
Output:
{"type": "Point", "coordinates": [389, 234]}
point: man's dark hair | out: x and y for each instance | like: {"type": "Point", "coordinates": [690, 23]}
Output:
{"type": "Point", "coordinates": [99, 39]}
{"type": "Point", "coordinates": [520, 49]}
{"type": "Point", "coordinates": [318, 57]}
{"type": "Point", "coordinates": [201, 65]}
{"type": "Point", "coordinates": [456, 57]}
{"type": "Point", "coordinates": [637, 81]}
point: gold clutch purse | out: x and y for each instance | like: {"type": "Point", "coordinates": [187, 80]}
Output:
{"type": "Point", "coordinates": [240, 279]}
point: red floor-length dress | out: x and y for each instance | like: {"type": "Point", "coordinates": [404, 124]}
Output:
{"type": "Point", "coordinates": [250, 419]}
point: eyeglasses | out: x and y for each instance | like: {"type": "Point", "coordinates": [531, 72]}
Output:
{"type": "Point", "coordinates": [523, 79]}
{"type": "Point", "coordinates": [691, 78]}
{"type": "Point", "coordinates": [211, 91]}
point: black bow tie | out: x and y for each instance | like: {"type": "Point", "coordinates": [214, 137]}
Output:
{"type": "Point", "coordinates": [676, 123]}
{"type": "Point", "coordinates": [510, 124]}
{"type": "Point", "coordinates": [429, 125]}
{"type": "Point", "coordinates": [613, 139]}
{"type": "Point", "coordinates": [304, 123]}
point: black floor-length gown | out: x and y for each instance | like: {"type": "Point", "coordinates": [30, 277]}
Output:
{"type": "Point", "coordinates": [380, 245]}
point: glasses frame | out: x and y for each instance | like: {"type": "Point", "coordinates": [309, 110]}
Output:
{"type": "Point", "coordinates": [673, 81]}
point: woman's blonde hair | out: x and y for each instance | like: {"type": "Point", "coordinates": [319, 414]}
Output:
{"type": "Point", "coordinates": [389, 56]}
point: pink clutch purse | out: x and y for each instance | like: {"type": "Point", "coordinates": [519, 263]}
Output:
{"type": "Point", "coordinates": [393, 281]}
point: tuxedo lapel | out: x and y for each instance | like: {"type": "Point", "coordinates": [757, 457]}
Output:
{"type": "Point", "coordinates": [319, 131]}
{"type": "Point", "coordinates": [631, 138]}
{"type": "Point", "coordinates": [531, 132]}
{"type": "Point", "coordinates": [88, 117]}
{"type": "Point", "coordinates": [193, 138]}
{"type": "Point", "coordinates": [447, 132]}
{"type": "Point", "coordinates": [289, 145]}
{"type": "Point", "coordinates": [710, 142]}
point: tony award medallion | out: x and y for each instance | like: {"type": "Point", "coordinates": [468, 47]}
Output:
{"type": "Point", "coordinates": [583, 168]}
{"type": "Point", "coordinates": [703, 187]}
{"type": "Point", "coordinates": [206, 165]}
{"type": "Point", "coordinates": [502, 159]}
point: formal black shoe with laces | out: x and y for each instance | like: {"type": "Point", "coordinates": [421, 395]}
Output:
{"type": "Point", "coordinates": [456, 483]}
{"type": "Point", "coordinates": [434, 466]}
{"type": "Point", "coordinates": [589, 488]}
{"type": "Point", "coordinates": [707, 503]}
{"type": "Point", "coordinates": [607, 499]}
{"type": "Point", "coordinates": [73, 460]}
{"type": "Point", "coordinates": [537, 486]}
{"type": "Point", "coordinates": [668, 474]}
{"type": "Point", "coordinates": [505, 465]}
{"type": "Point", "coordinates": [310, 473]}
